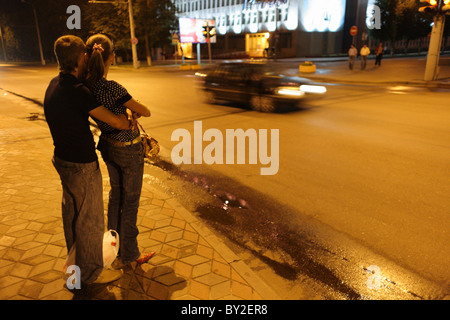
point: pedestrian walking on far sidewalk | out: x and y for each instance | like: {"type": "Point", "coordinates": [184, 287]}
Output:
{"type": "Point", "coordinates": [379, 53]}
{"type": "Point", "coordinates": [352, 53]}
{"type": "Point", "coordinates": [68, 103]}
{"type": "Point", "coordinates": [365, 51]}
{"type": "Point", "coordinates": [122, 150]}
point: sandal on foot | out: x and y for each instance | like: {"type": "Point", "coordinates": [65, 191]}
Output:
{"type": "Point", "coordinates": [145, 257]}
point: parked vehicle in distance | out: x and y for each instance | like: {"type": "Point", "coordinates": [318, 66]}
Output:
{"type": "Point", "coordinates": [255, 84]}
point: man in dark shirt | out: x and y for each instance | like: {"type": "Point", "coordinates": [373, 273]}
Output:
{"type": "Point", "coordinates": [67, 106]}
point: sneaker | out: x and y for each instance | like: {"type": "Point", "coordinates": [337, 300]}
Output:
{"type": "Point", "coordinates": [109, 275]}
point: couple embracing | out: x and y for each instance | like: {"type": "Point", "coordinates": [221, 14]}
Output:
{"type": "Point", "coordinates": [81, 90]}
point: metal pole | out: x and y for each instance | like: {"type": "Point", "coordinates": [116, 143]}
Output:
{"type": "Point", "coordinates": [209, 43]}
{"type": "Point", "coordinates": [182, 54]}
{"type": "Point", "coordinates": [133, 36]}
{"type": "Point", "coordinates": [3, 44]}
{"type": "Point", "coordinates": [434, 50]}
{"type": "Point", "coordinates": [38, 35]}
{"type": "Point", "coordinates": [277, 35]}
{"type": "Point", "coordinates": [37, 31]}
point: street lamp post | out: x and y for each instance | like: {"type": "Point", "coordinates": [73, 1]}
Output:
{"type": "Point", "coordinates": [3, 45]}
{"type": "Point", "coordinates": [133, 35]}
{"type": "Point", "coordinates": [132, 28]}
{"type": "Point", "coordinates": [37, 31]}
{"type": "Point", "coordinates": [439, 8]}
{"type": "Point", "coordinates": [432, 65]}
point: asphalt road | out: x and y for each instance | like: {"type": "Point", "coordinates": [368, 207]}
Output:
{"type": "Point", "coordinates": [362, 183]}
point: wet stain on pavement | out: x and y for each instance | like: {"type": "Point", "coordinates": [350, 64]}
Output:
{"type": "Point", "coordinates": [257, 226]}
{"type": "Point", "coordinates": [293, 244]}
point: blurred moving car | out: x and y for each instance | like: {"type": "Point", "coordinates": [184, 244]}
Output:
{"type": "Point", "coordinates": [255, 83]}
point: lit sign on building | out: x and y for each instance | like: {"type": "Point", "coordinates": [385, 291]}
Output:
{"type": "Point", "coordinates": [262, 4]}
{"type": "Point", "coordinates": [322, 15]}
{"type": "Point", "coordinates": [191, 30]}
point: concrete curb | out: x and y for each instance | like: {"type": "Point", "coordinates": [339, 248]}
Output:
{"type": "Point", "coordinates": [432, 84]}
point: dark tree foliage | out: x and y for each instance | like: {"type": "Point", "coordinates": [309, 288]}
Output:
{"type": "Point", "coordinates": [154, 20]}
{"type": "Point", "coordinates": [401, 20]}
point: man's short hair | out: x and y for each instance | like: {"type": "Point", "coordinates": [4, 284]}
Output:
{"type": "Point", "coordinates": [68, 50]}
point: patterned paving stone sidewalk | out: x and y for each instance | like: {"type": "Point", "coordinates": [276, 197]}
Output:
{"type": "Point", "coordinates": [191, 263]}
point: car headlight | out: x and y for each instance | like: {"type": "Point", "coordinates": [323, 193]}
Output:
{"type": "Point", "coordinates": [313, 89]}
{"type": "Point", "coordinates": [290, 91]}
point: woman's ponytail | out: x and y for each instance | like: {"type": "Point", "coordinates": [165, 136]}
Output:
{"type": "Point", "coordinates": [99, 49]}
{"type": "Point", "coordinates": [96, 66]}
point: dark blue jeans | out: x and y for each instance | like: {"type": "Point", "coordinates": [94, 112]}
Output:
{"type": "Point", "coordinates": [126, 168]}
{"type": "Point", "coordinates": [82, 213]}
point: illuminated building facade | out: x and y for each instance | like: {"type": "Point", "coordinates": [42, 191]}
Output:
{"type": "Point", "coordinates": [291, 28]}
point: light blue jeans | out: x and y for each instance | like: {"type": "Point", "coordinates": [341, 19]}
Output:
{"type": "Point", "coordinates": [126, 168]}
{"type": "Point", "coordinates": [82, 213]}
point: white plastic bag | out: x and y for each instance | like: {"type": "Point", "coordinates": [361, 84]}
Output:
{"type": "Point", "coordinates": [110, 250]}
{"type": "Point", "coordinates": [110, 247]}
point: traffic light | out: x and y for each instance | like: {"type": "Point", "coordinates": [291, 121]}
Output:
{"type": "Point", "coordinates": [434, 6]}
{"type": "Point", "coordinates": [212, 31]}
{"type": "Point", "coordinates": [445, 6]}
{"type": "Point", "coordinates": [428, 6]}
{"type": "Point", "coordinates": [209, 31]}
